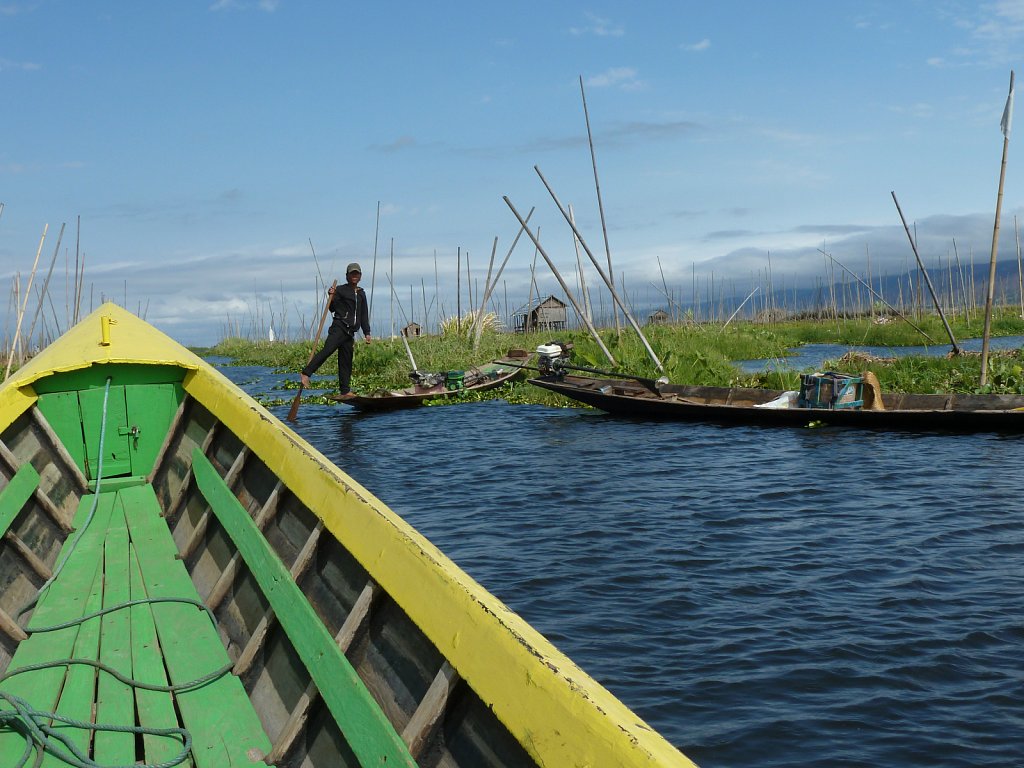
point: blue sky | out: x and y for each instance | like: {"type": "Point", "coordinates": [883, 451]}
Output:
{"type": "Point", "coordinates": [203, 145]}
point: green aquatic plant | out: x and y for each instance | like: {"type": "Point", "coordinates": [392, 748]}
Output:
{"type": "Point", "coordinates": [704, 354]}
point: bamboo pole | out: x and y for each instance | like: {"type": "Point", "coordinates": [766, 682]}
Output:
{"type": "Point", "coordinates": [392, 291]}
{"type": "Point", "coordinates": [293, 412]}
{"type": "Point", "coordinates": [561, 282]}
{"type": "Point", "coordinates": [890, 306]}
{"type": "Point", "coordinates": [533, 284]}
{"type": "Point", "coordinates": [437, 295]}
{"type": "Point", "coordinates": [927, 279]}
{"type": "Point", "coordinates": [478, 321]}
{"type": "Point", "coordinates": [749, 295]}
{"type": "Point", "coordinates": [373, 272]}
{"type": "Point", "coordinates": [46, 285]}
{"type": "Point", "coordinates": [1020, 270]}
{"type": "Point", "coordinates": [607, 279]}
{"type": "Point", "coordinates": [491, 284]}
{"type": "Point", "coordinates": [24, 304]}
{"type": "Point", "coordinates": [77, 294]}
{"type": "Point", "coordinates": [579, 266]}
{"type": "Point", "coordinates": [600, 206]}
{"type": "Point", "coordinates": [1006, 124]}
{"type": "Point", "coordinates": [405, 339]}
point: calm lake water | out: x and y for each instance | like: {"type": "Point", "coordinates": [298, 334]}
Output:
{"type": "Point", "coordinates": [762, 597]}
{"type": "Point", "coordinates": [813, 356]}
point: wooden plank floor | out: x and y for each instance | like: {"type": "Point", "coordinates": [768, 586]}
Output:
{"type": "Point", "coordinates": [127, 554]}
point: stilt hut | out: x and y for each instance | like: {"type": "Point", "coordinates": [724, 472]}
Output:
{"type": "Point", "coordinates": [659, 317]}
{"type": "Point", "coordinates": [542, 315]}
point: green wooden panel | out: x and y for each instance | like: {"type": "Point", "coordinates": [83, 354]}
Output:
{"type": "Point", "coordinates": [115, 702]}
{"type": "Point", "coordinates": [151, 408]}
{"type": "Point", "coordinates": [95, 377]}
{"type": "Point", "coordinates": [368, 731]}
{"type": "Point", "coordinates": [218, 715]}
{"type": "Point", "coordinates": [116, 457]}
{"type": "Point", "coordinates": [13, 496]}
{"type": "Point", "coordinates": [155, 708]}
{"type": "Point", "coordinates": [63, 413]}
{"type": "Point", "coordinates": [65, 600]}
{"type": "Point", "coordinates": [79, 692]}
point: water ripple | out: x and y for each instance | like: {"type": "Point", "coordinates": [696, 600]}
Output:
{"type": "Point", "coordinates": [762, 597]}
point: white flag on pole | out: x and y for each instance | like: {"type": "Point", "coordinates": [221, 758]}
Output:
{"type": "Point", "coordinates": [1006, 123]}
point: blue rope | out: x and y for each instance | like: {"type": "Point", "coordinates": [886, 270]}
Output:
{"type": "Point", "coordinates": [92, 511]}
{"type": "Point", "coordinates": [34, 725]}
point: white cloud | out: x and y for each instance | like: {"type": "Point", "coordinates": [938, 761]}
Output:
{"type": "Point", "coordinates": [269, 6]}
{"type": "Point", "coordinates": [993, 34]}
{"type": "Point", "coordinates": [21, 66]}
{"type": "Point", "coordinates": [599, 27]}
{"type": "Point", "coordinates": [698, 47]}
{"type": "Point", "coordinates": [617, 77]}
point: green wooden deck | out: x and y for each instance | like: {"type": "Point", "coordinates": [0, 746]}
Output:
{"type": "Point", "coordinates": [127, 554]}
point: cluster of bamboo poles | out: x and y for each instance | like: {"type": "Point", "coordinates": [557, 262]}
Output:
{"type": "Point", "coordinates": [27, 306]}
{"type": "Point", "coordinates": [32, 320]}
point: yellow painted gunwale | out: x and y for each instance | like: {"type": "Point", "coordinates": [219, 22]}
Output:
{"type": "Point", "coordinates": [559, 713]}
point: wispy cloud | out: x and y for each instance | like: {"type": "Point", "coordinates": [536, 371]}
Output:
{"type": "Point", "coordinates": [6, 65]}
{"type": "Point", "coordinates": [1001, 21]}
{"type": "Point", "coordinates": [698, 47]}
{"type": "Point", "coordinates": [599, 27]}
{"type": "Point", "coordinates": [399, 144]}
{"type": "Point", "coordinates": [651, 131]}
{"type": "Point", "coordinates": [13, 9]}
{"type": "Point", "coordinates": [624, 78]}
{"type": "Point", "coordinates": [269, 6]}
{"type": "Point", "coordinates": [993, 34]}
{"type": "Point", "coordinates": [618, 135]}
{"type": "Point", "coordinates": [919, 109]}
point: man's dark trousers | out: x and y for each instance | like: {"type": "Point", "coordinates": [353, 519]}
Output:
{"type": "Point", "coordinates": [339, 339]}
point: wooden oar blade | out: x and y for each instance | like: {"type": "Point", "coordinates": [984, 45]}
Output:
{"type": "Point", "coordinates": [293, 414]}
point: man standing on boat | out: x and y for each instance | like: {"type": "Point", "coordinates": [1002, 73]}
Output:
{"type": "Point", "coordinates": [348, 303]}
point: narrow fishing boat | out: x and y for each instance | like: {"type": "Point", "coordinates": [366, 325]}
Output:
{"type": "Point", "coordinates": [428, 387]}
{"type": "Point", "coordinates": [828, 398]}
{"type": "Point", "coordinates": [184, 580]}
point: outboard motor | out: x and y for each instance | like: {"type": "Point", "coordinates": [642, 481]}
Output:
{"type": "Point", "coordinates": [552, 356]}
{"type": "Point", "coordinates": [427, 379]}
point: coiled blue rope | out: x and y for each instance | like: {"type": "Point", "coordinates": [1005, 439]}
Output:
{"type": "Point", "coordinates": [34, 724]}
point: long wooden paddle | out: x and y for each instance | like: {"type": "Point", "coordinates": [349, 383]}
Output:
{"type": "Point", "coordinates": [293, 414]}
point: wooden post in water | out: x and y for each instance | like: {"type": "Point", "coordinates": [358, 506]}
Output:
{"type": "Point", "coordinates": [928, 280]}
{"type": "Point", "coordinates": [1005, 124]}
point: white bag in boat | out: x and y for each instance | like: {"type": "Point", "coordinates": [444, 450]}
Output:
{"type": "Point", "coordinates": [785, 400]}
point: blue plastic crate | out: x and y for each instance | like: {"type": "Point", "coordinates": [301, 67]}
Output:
{"type": "Point", "coordinates": [831, 390]}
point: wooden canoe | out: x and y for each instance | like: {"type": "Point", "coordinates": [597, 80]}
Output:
{"type": "Point", "coordinates": [200, 577]}
{"type": "Point", "coordinates": [478, 379]}
{"type": "Point", "coordinates": [645, 399]}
